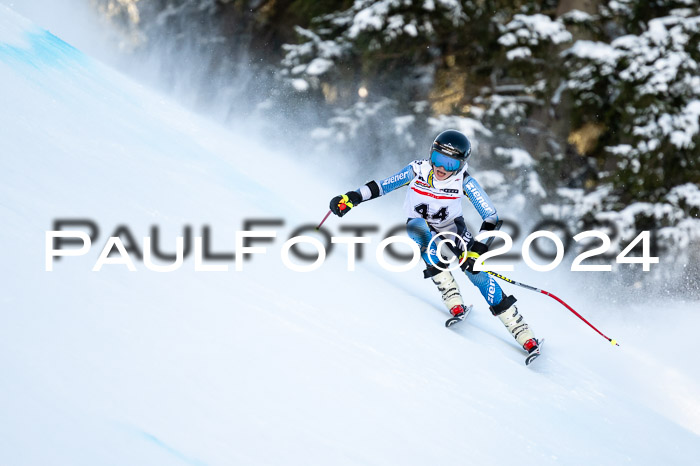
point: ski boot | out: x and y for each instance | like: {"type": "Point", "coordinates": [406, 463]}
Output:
{"type": "Point", "coordinates": [447, 285]}
{"type": "Point", "coordinates": [451, 296]}
{"type": "Point", "coordinates": [515, 323]}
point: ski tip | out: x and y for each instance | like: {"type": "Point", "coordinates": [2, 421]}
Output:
{"type": "Point", "coordinates": [531, 358]}
{"type": "Point", "coordinates": [451, 322]}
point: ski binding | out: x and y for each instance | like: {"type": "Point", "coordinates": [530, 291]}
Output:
{"type": "Point", "coordinates": [534, 354]}
{"type": "Point", "coordinates": [453, 320]}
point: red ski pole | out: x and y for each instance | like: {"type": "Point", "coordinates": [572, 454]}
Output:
{"type": "Point", "coordinates": [324, 219]}
{"type": "Point", "coordinates": [513, 282]}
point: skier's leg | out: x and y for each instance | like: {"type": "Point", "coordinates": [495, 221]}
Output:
{"type": "Point", "coordinates": [515, 323]}
{"type": "Point", "coordinates": [488, 287]}
{"type": "Point", "coordinates": [447, 285]}
{"type": "Point", "coordinates": [419, 232]}
{"type": "Point", "coordinates": [504, 308]}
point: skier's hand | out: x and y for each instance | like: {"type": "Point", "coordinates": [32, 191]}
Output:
{"type": "Point", "coordinates": [477, 250]}
{"type": "Point", "coordinates": [341, 205]}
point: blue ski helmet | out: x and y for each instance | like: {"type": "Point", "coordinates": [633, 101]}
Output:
{"type": "Point", "coordinates": [450, 150]}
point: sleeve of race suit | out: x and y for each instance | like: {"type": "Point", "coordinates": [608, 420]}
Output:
{"type": "Point", "coordinates": [481, 202]}
{"type": "Point", "coordinates": [374, 189]}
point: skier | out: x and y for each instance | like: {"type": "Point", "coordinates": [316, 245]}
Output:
{"type": "Point", "coordinates": [433, 204]}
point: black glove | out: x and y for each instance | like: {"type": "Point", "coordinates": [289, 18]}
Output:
{"type": "Point", "coordinates": [341, 205]}
{"type": "Point", "coordinates": [477, 250]}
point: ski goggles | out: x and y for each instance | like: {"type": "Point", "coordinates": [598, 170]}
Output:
{"type": "Point", "coordinates": [450, 164]}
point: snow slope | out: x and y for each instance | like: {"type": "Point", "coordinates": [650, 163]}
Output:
{"type": "Point", "coordinates": [270, 366]}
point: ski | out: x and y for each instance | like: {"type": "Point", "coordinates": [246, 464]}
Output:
{"type": "Point", "coordinates": [535, 353]}
{"type": "Point", "coordinates": [453, 320]}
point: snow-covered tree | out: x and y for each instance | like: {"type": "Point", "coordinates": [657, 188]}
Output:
{"type": "Point", "coordinates": [643, 92]}
{"type": "Point", "coordinates": [591, 115]}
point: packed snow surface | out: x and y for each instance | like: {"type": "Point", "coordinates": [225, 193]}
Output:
{"type": "Point", "coordinates": [267, 365]}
